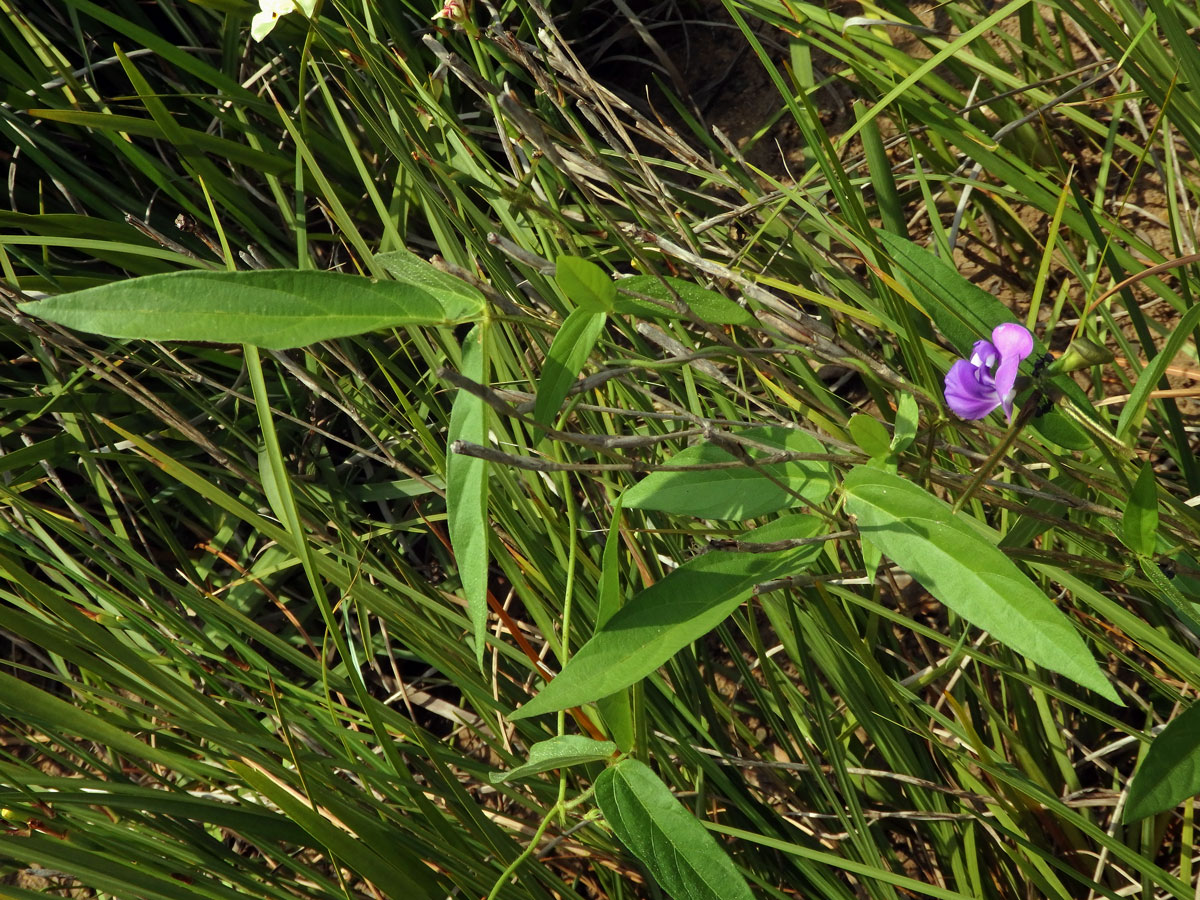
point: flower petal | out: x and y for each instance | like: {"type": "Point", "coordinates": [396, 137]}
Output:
{"type": "Point", "coordinates": [1012, 339]}
{"type": "Point", "coordinates": [983, 355]}
{"type": "Point", "coordinates": [261, 24]}
{"type": "Point", "coordinates": [967, 395]}
{"type": "Point", "coordinates": [1014, 343]}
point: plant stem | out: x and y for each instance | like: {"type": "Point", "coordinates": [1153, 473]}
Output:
{"type": "Point", "coordinates": [1026, 413]}
{"type": "Point", "coordinates": [526, 853]}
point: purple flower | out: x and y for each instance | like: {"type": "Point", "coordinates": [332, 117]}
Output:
{"type": "Point", "coordinates": [976, 386]}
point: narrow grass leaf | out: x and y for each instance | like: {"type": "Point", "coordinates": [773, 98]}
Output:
{"type": "Point", "coordinates": [87, 792]}
{"type": "Point", "coordinates": [838, 862]}
{"type": "Point", "coordinates": [97, 233]}
{"type": "Point", "coordinates": [467, 492]}
{"type": "Point", "coordinates": [965, 571]}
{"type": "Point", "coordinates": [277, 308]}
{"type": "Point", "coordinates": [1135, 407]}
{"type": "Point", "coordinates": [743, 492]}
{"type": "Point", "coordinates": [558, 753]}
{"type": "Point", "coordinates": [346, 847]}
{"type": "Point", "coordinates": [128, 877]}
{"type": "Point", "coordinates": [208, 143]}
{"type": "Point", "coordinates": [22, 702]}
{"type": "Point", "coordinates": [1164, 588]}
{"type": "Point", "coordinates": [564, 361]}
{"type": "Point", "coordinates": [670, 614]}
{"type": "Point", "coordinates": [684, 858]}
{"type": "Point", "coordinates": [1170, 773]}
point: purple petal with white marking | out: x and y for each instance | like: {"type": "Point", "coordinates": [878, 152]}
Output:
{"type": "Point", "coordinates": [969, 391]}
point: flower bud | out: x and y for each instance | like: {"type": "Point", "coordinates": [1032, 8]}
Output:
{"type": "Point", "coordinates": [1080, 355]}
{"type": "Point", "coordinates": [455, 11]}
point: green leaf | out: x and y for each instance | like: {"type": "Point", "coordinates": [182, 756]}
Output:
{"type": "Point", "coordinates": [962, 311]}
{"type": "Point", "coordinates": [684, 858]}
{"type": "Point", "coordinates": [743, 492]}
{"type": "Point", "coordinates": [1056, 427]}
{"type": "Point", "coordinates": [1139, 527]}
{"type": "Point", "coordinates": [394, 868]}
{"type": "Point", "coordinates": [273, 308]}
{"type": "Point", "coordinates": [1043, 512]}
{"type": "Point", "coordinates": [954, 559]}
{"type": "Point", "coordinates": [870, 435]}
{"type": "Point", "coordinates": [22, 702]}
{"type": "Point", "coordinates": [558, 753]}
{"type": "Point", "coordinates": [672, 613]}
{"type": "Point", "coordinates": [223, 148]}
{"type": "Point", "coordinates": [706, 305]}
{"type": "Point", "coordinates": [585, 284]}
{"type": "Point", "coordinates": [459, 300]}
{"type": "Point", "coordinates": [1165, 590]}
{"type": "Point", "coordinates": [907, 418]}
{"type": "Point", "coordinates": [467, 491]}
{"type": "Point", "coordinates": [1170, 772]}
{"type": "Point", "coordinates": [616, 710]}
{"type": "Point", "coordinates": [97, 238]}
{"type": "Point", "coordinates": [1139, 398]}
{"type": "Point", "coordinates": [564, 361]}
{"type": "Point", "coordinates": [87, 792]}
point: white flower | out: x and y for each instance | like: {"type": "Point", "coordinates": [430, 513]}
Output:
{"type": "Point", "coordinates": [271, 10]}
{"type": "Point", "coordinates": [454, 10]}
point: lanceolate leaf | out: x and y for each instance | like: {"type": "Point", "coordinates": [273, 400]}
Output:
{"type": "Point", "coordinates": [564, 361]}
{"type": "Point", "coordinates": [672, 613]}
{"type": "Point", "coordinates": [743, 492]}
{"type": "Point", "coordinates": [1140, 524]}
{"type": "Point", "coordinates": [947, 553]}
{"type": "Point", "coordinates": [870, 435]}
{"type": "Point", "coordinates": [467, 491]}
{"type": "Point", "coordinates": [706, 305]}
{"type": "Point", "coordinates": [558, 753]}
{"type": "Point", "coordinates": [459, 300]}
{"type": "Point", "coordinates": [684, 858]}
{"type": "Point", "coordinates": [1170, 773]}
{"type": "Point", "coordinates": [273, 308]}
{"type": "Point", "coordinates": [585, 283]}
{"type": "Point", "coordinates": [962, 311]}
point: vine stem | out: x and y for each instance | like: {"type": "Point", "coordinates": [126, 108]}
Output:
{"type": "Point", "coordinates": [989, 464]}
{"type": "Point", "coordinates": [526, 853]}
{"type": "Point", "coordinates": [561, 807]}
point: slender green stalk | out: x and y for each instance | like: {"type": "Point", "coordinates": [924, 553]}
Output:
{"type": "Point", "coordinates": [1001, 449]}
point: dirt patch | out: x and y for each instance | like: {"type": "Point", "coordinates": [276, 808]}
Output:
{"type": "Point", "coordinates": [695, 55]}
